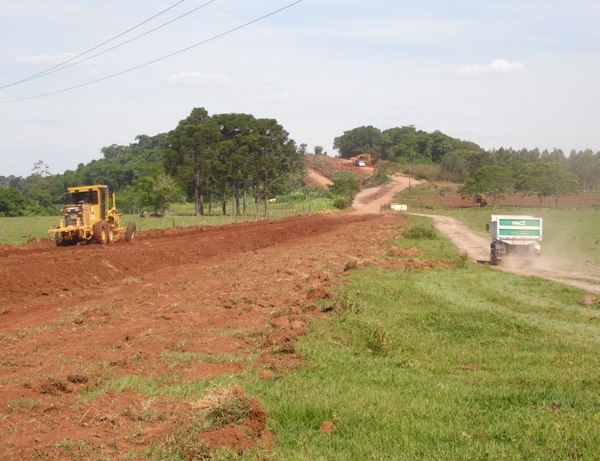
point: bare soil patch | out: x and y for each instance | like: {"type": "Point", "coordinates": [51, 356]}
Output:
{"type": "Point", "coordinates": [99, 343]}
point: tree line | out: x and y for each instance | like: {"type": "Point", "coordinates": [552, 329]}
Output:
{"type": "Point", "coordinates": [237, 158]}
{"type": "Point", "coordinates": [531, 170]}
{"type": "Point", "coordinates": [203, 159]}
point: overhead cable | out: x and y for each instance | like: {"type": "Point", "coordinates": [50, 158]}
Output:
{"type": "Point", "coordinates": [162, 58]}
{"type": "Point", "coordinates": [56, 67]}
{"type": "Point", "coordinates": [125, 42]}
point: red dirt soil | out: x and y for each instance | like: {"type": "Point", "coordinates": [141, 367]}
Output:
{"type": "Point", "coordinates": [88, 333]}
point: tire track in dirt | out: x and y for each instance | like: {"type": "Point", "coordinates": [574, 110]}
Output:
{"type": "Point", "coordinates": [370, 200]}
{"type": "Point", "coordinates": [314, 177]}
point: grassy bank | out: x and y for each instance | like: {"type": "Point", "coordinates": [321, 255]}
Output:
{"type": "Point", "coordinates": [458, 363]}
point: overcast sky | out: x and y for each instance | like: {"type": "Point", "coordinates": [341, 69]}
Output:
{"type": "Point", "coordinates": [512, 73]}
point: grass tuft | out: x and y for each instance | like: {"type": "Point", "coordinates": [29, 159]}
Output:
{"type": "Point", "coordinates": [224, 405]}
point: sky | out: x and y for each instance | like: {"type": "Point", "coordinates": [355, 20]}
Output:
{"type": "Point", "coordinates": [498, 73]}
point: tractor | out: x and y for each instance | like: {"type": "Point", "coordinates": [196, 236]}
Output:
{"type": "Point", "coordinates": [91, 218]}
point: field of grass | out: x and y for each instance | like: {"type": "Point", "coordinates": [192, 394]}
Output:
{"type": "Point", "coordinates": [459, 363]}
{"type": "Point", "coordinates": [571, 235]}
{"type": "Point", "coordinates": [23, 229]}
{"type": "Point", "coordinates": [571, 238]}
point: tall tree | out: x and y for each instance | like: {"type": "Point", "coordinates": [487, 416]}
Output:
{"type": "Point", "coordinates": [546, 179]}
{"type": "Point", "coordinates": [492, 181]}
{"type": "Point", "coordinates": [191, 150]}
{"type": "Point", "coordinates": [364, 139]}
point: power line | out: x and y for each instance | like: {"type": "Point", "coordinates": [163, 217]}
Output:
{"type": "Point", "coordinates": [162, 58]}
{"type": "Point", "coordinates": [52, 69]}
{"type": "Point", "coordinates": [49, 72]}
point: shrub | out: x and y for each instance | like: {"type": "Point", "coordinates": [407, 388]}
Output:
{"type": "Point", "coordinates": [421, 231]}
{"type": "Point", "coordinates": [429, 172]}
{"type": "Point", "coordinates": [341, 203]}
{"type": "Point", "coordinates": [344, 188]}
{"type": "Point", "coordinates": [382, 174]}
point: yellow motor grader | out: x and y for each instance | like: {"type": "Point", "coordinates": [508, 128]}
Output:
{"type": "Point", "coordinates": [91, 218]}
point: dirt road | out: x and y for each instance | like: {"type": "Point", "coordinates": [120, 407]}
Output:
{"type": "Point", "coordinates": [477, 247]}
{"type": "Point", "coordinates": [370, 200]}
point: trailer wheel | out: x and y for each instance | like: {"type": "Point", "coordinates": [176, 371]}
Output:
{"type": "Point", "coordinates": [100, 235]}
{"type": "Point", "coordinates": [129, 231]}
{"type": "Point", "coordinates": [494, 258]}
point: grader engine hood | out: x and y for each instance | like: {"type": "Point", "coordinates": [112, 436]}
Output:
{"type": "Point", "coordinates": [72, 213]}
{"type": "Point", "coordinates": [83, 211]}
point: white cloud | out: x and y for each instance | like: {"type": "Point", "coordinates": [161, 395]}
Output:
{"type": "Point", "coordinates": [197, 77]}
{"type": "Point", "coordinates": [46, 59]}
{"type": "Point", "coordinates": [497, 66]}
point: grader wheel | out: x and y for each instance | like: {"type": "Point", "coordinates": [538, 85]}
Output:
{"type": "Point", "coordinates": [100, 233]}
{"type": "Point", "coordinates": [110, 233]}
{"type": "Point", "coordinates": [129, 231]}
{"type": "Point", "coordinates": [59, 239]}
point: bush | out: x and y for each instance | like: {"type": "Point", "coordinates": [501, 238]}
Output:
{"type": "Point", "coordinates": [382, 174]}
{"type": "Point", "coordinates": [341, 203]}
{"type": "Point", "coordinates": [421, 232]}
{"type": "Point", "coordinates": [344, 188]}
{"type": "Point", "coordinates": [429, 172]}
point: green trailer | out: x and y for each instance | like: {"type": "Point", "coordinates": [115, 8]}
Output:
{"type": "Point", "coordinates": [514, 236]}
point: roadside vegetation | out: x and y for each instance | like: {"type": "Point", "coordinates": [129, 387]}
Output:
{"type": "Point", "coordinates": [463, 362]}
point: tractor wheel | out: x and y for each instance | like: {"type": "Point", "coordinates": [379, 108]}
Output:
{"type": "Point", "coordinates": [129, 231]}
{"type": "Point", "coordinates": [100, 234]}
{"type": "Point", "coordinates": [110, 233]}
{"type": "Point", "coordinates": [494, 258]}
{"type": "Point", "coordinates": [59, 239]}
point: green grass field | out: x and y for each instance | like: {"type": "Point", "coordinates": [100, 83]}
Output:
{"type": "Point", "coordinates": [459, 363]}
{"type": "Point", "coordinates": [23, 229]}
{"type": "Point", "coordinates": [573, 235]}
{"type": "Point", "coordinates": [571, 238]}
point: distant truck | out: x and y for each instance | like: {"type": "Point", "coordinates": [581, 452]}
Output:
{"type": "Point", "coordinates": [514, 236]}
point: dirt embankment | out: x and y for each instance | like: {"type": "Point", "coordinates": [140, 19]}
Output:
{"type": "Point", "coordinates": [316, 178]}
{"type": "Point", "coordinates": [173, 309]}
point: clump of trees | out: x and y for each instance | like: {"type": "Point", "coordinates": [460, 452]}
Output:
{"type": "Point", "coordinates": [231, 155]}
{"type": "Point", "coordinates": [540, 178]}
{"type": "Point", "coordinates": [406, 144]}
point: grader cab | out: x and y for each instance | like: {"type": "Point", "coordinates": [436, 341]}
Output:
{"type": "Point", "coordinates": [91, 217]}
